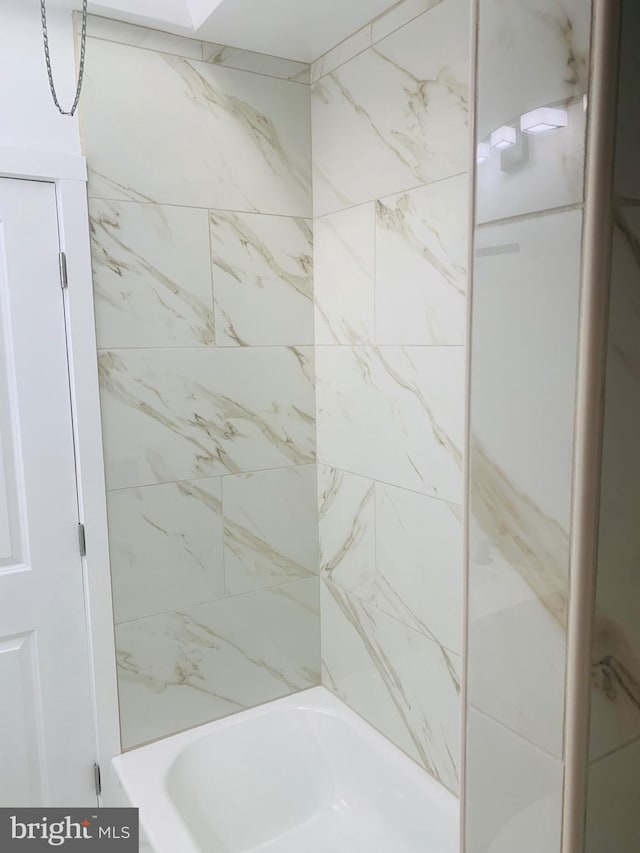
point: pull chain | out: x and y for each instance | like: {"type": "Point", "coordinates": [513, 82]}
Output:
{"type": "Point", "coordinates": [83, 41]}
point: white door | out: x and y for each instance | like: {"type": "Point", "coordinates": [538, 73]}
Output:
{"type": "Point", "coordinates": [47, 740]}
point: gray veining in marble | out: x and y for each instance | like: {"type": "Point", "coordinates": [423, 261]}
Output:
{"type": "Point", "coordinates": [166, 547]}
{"type": "Point", "coordinates": [262, 279]}
{"type": "Point", "coordinates": [395, 116]}
{"type": "Point", "coordinates": [179, 414]}
{"type": "Point", "coordinates": [219, 117]}
{"type": "Point", "coordinates": [151, 275]}
{"type": "Point", "coordinates": [407, 686]}
{"type": "Point", "coordinates": [177, 670]}
{"type": "Point", "coordinates": [270, 528]}
{"type": "Point", "coordinates": [346, 518]}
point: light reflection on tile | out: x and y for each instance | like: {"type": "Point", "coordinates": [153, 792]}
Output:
{"type": "Point", "coordinates": [522, 417]}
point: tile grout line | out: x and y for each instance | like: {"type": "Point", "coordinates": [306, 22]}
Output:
{"type": "Point", "coordinates": [208, 208]}
{"type": "Point", "coordinates": [387, 196]}
{"type": "Point", "coordinates": [373, 42]}
{"type": "Point", "coordinates": [448, 502]}
{"type": "Point", "coordinates": [364, 603]}
{"type": "Point", "coordinates": [533, 214]}
{"type": "Point", "coordinates": [239, 348]}
{"type": "Point", "coordinates": [181, 610]}
{"type": "Point", "coordinates": [521, 737]}
{"type": "Point", "coordinates": [615, 750]}
{"type": "Point", "coordinates": [210, 477]}
{"type": "Point", "coordinates": [160, 52]}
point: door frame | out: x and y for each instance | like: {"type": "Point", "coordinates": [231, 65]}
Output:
{"type": "Point", "coordinates": [68, 173]}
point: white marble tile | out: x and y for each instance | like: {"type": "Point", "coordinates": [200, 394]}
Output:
{"type": "Point", "coordinates": [397, 679]}
{"type": "Point", "coordinates": [270, 528]}
{"type": "Point", "coordinates": [419, 563]}
{"type": "Point", "coordinates": [181, 414]}
{"type": "Point", "coordinates": [258, 63]}
{"type": "Point", "coordinates": [341, 53]}
{"type": "Point", "coordinates": [262, 279]}
{"type": "Point", "coordinates": [208, 136]}
{"type": "Point", "coordinates": [421, 265]}
{"type": "Point", "coordinates": [393, 414]}
{"type": "Point", "coordinates": [517, 648]}
{"type": "Point", "coordinates": [151, 275]}
{"type": "Point", "coordinates": [181, 669]}
{"type": "Point", "coordinates": [396, 116]}
{"type": "Point", "coordinates": [522, 415]}
{"type": "Point", "coordinates": [165, 544]}
{"type": "Point", "coordinates": [615, 706]}
{"type": "Point", "coordinates": [118, 31]}
{"type": "Point", "coordinates": [546, 173]}
{"type": "Point", "coordinates": [613, 817]}
{"type": "Point", "coordinates": [513, 792]}
{"type": "Point", "coordinates": [524, 371]}
{"type": "Point", "coordinates": [512, 80]}
{"type": "Point", "coordinates": [399, 15]}
{"type": "Point", "coordinates": [344, 261]}
{"type": "Point", "coordinates": [346, 517]}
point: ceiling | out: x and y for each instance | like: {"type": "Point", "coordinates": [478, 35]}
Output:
{"type": "Point", "coordinates": [295, 29]}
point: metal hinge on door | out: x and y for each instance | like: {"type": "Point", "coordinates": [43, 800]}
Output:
{"type": "Point", "coordinates": [97, 780]}
{"type": "Point", "coordinates": [82, 540]}
{"type": "Point", "coordinates": [62, 258]}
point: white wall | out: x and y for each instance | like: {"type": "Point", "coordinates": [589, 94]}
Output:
{"type": "Point", "coordinates": [29, 117]}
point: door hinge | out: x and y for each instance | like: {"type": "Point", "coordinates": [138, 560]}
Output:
{"type": "Point", "coordinates": [97, 779]}
{"type": "Point", "coordinates": [82, 540]}
{"type": "Point", "coordinates": [62, 258]}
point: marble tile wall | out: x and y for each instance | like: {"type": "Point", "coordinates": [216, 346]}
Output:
{"type": "Point", "coordinates": [390, 186]}
{"type": "Point", "coordinates": [201, 226]}
{"type": "Point", "coordinates": [524, 327]}
{"type": "Point", "coordinates": [614, 780]}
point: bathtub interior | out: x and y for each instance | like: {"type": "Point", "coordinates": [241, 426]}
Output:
{"type": "Point", "coordinates": [307, 779]}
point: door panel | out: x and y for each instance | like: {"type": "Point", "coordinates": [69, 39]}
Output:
{"type": "Point", "coordinates": [46, 720]}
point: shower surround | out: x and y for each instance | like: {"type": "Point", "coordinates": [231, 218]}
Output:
{"type": "Point", "coordinates": [216, 336]}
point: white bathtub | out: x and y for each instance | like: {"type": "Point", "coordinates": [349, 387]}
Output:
{"type": "Point", "coordinates": [300, 775]}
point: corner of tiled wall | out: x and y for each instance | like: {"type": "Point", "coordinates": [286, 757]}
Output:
{"type": "Point", "coordinates": [390, 183]}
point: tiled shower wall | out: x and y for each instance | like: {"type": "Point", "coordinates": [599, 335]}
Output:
{"type": "Point", "coordinates": [200, 204]}
{"type": "Point", "coordinates": [207, 330]}
{"type": "Point", "coordinates": [524, 328]}
{"type": "Point", "coordinates": [390, 186]}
